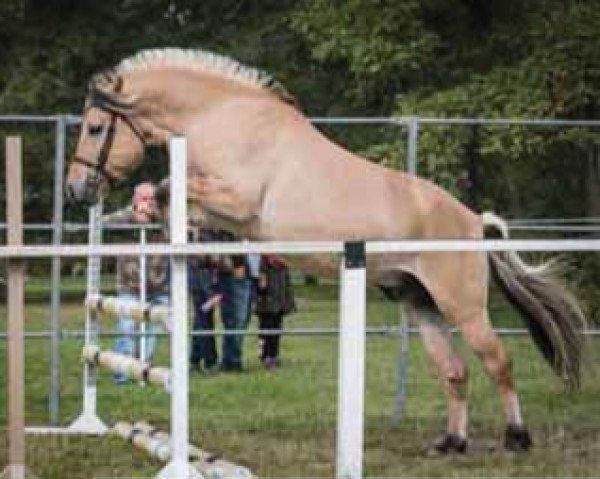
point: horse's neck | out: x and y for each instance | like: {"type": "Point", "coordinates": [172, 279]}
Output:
{"type": "Point", "coordinates": [240, 129]}
{"type": "Point", "coordinates": [175, 100]}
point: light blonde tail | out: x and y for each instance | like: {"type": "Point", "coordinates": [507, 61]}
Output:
{"type": "Point", "coordinates": [551, 311]}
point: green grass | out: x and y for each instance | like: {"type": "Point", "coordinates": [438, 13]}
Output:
{"type": "Point", "coordinates": [72, 288]}
{"type": "Point", "coordinates": [283, 423]}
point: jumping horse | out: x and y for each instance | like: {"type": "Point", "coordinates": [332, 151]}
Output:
{"type": "Point", "coordinates": [260, 169]}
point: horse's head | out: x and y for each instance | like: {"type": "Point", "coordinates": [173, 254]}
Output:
{"type": "Point", "coordinates": [110, 144]}
{"type": "Point", "coordinates": [147, 97]}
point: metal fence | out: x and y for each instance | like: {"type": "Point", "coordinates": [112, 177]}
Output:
{"type": "Point", "coordinates": [411, 125]}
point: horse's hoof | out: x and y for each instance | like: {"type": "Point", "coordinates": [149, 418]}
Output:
{"type": "Point", "coordinates": [517, 438]}
{"type": "Point", "coordinates": [447, 444]}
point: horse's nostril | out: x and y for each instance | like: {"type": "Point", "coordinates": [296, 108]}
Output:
{"type": "Point", "coordinates": [70, 194]}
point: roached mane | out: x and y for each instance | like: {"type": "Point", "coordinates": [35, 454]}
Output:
{"type": "Point", "coordinates": [202, 60]}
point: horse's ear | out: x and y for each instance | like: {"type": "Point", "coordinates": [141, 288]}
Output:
{"type": "Point", "coordinates": [105, 90]}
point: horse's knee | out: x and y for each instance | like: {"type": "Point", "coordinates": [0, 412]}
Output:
{"type": "Point", "coordinates": [492, 354]}
{"type": "Point", "coordinates": [499, 367]}
{"type": "Point", "coordinates": [456, 374]}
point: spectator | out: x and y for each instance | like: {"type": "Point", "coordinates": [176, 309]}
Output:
{"type": "Point", "coordinates": [224, 281]}
{"type": "Point", "coordinates": [234, 284]}
{"type": "Point", "coordinates": [143, 210]}
{"type": "Point", "coordinates": [274, 300]}
{"type": "Point", "coordinates": [204, 287]}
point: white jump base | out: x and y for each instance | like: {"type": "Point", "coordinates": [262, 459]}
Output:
{"type": "Point", "coordinates": [158, 444]}
{"type": "Point", "coordinates": [42, 430]}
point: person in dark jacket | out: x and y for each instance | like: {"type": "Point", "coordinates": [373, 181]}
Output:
{"type": "Point", "coordinates": [203, 282]}
{"type": "Point", "coordinates": [274, 300]}
{"type": "Point", "coordinates": [222, 281]}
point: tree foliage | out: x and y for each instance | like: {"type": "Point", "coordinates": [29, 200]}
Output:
{"type": "Point", "coordinates": [427, 58]}
{"type": "Point", "coordinates": [440, 58]}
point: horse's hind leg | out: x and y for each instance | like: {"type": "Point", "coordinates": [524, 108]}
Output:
{"type": "Point", "coordinates": [451, 370]}
{"type": "Point", "coordinates": [481, 337]}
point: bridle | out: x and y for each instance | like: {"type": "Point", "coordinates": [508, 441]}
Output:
{"type": "Point", "coordinates": [106, 140]}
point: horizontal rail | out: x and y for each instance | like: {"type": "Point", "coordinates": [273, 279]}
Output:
{"type": "Point", "coordinates": [541, 224]}
{"type": "Point", "coordinates": [406, 120]}
{"type": "Point", "coordinates": [70, 119]}
{"type": "Point", "coordinates": [306, 332]}
{"type": "Point", "coordinates": [295, 247]}
{"type": "Point", "coordinates": [398, 120]}
{"type": "Point", "coordinates": [590, 228]}
{"type": "Point", "coordinates": [509, 122]}
{"type": "Point", "coordinates": [553, 221]}
{"type": "Point", "coordinates": [84, 250]}
{"type": "Point", "coordinates": [358, 120]}
{"type": "Point", "coordinates": [330, 331]}
{"type": "Point", "coordinates": [29, 118]}
{"type": "Point", "coordinates": [76, 227]}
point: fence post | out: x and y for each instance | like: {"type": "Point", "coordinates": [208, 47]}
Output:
{"type": "Point", "coordinates": [351, 381]}
{"type": "Point", "coordinates": [404, 347]}
{"type": "Point", "coordinates": [179, 466]}
{"type": "Point", "coordinates": [57, 220]}
{"type": "Point", "coordinates": [413, 141]}
{"type": "Point", "coordinates": [15, 299]}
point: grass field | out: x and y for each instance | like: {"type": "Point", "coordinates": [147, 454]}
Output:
{"type": "Point", "coordinates": [283, 423]}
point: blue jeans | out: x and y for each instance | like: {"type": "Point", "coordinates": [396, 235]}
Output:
{"type": "Point", "coordinates": [203, 347]}
{"type": "Point", "coordinates": [235, 316]}
{"type": "Point", "coordinates": [125, 344]}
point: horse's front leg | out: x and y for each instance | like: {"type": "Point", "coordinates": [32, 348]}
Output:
{"type": "Point", "coordinates": [202, 196]}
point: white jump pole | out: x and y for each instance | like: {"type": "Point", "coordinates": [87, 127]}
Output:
{"type": "Point", "coordinates": [179, 466]}
{"type": "Point", "coordinates": [115, 306]}
{"type": "Point", "coordinates": [143, 341]}
{"type": "Point", "coordinates": [89, 422]}
{"type": "Point", "coordinates": [351, 378]}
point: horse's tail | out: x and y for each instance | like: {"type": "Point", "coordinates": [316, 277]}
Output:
{"type": "Point", "coordinates": [552, 313]}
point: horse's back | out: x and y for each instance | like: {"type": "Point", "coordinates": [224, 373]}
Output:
{"type": "Point", "coordinates": [436, 213]}
{"type": "Point", "coordinates": [321, 191]}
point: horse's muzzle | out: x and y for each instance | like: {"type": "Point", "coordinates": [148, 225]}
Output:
{"type": "Point", "coordinates": [81, 192]}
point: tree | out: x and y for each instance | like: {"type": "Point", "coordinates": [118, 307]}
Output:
{"type": "Point", "coordinates": [51, 48]}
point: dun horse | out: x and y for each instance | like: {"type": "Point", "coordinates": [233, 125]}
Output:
{"type": "Point", "coordinates": [258, 167]}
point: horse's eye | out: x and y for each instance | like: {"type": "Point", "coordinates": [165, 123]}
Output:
{"type": "Point", "coordinates": [94, 130]}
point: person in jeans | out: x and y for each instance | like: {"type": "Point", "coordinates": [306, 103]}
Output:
{"type": "Point", "coordinates": [219, 281]}
{"type": "Point", "coordinates": [143, 210]}
{"type": "Point", "coordinates": [234, 285]}
{"type": "Point", "coordinates": [203, 282]}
